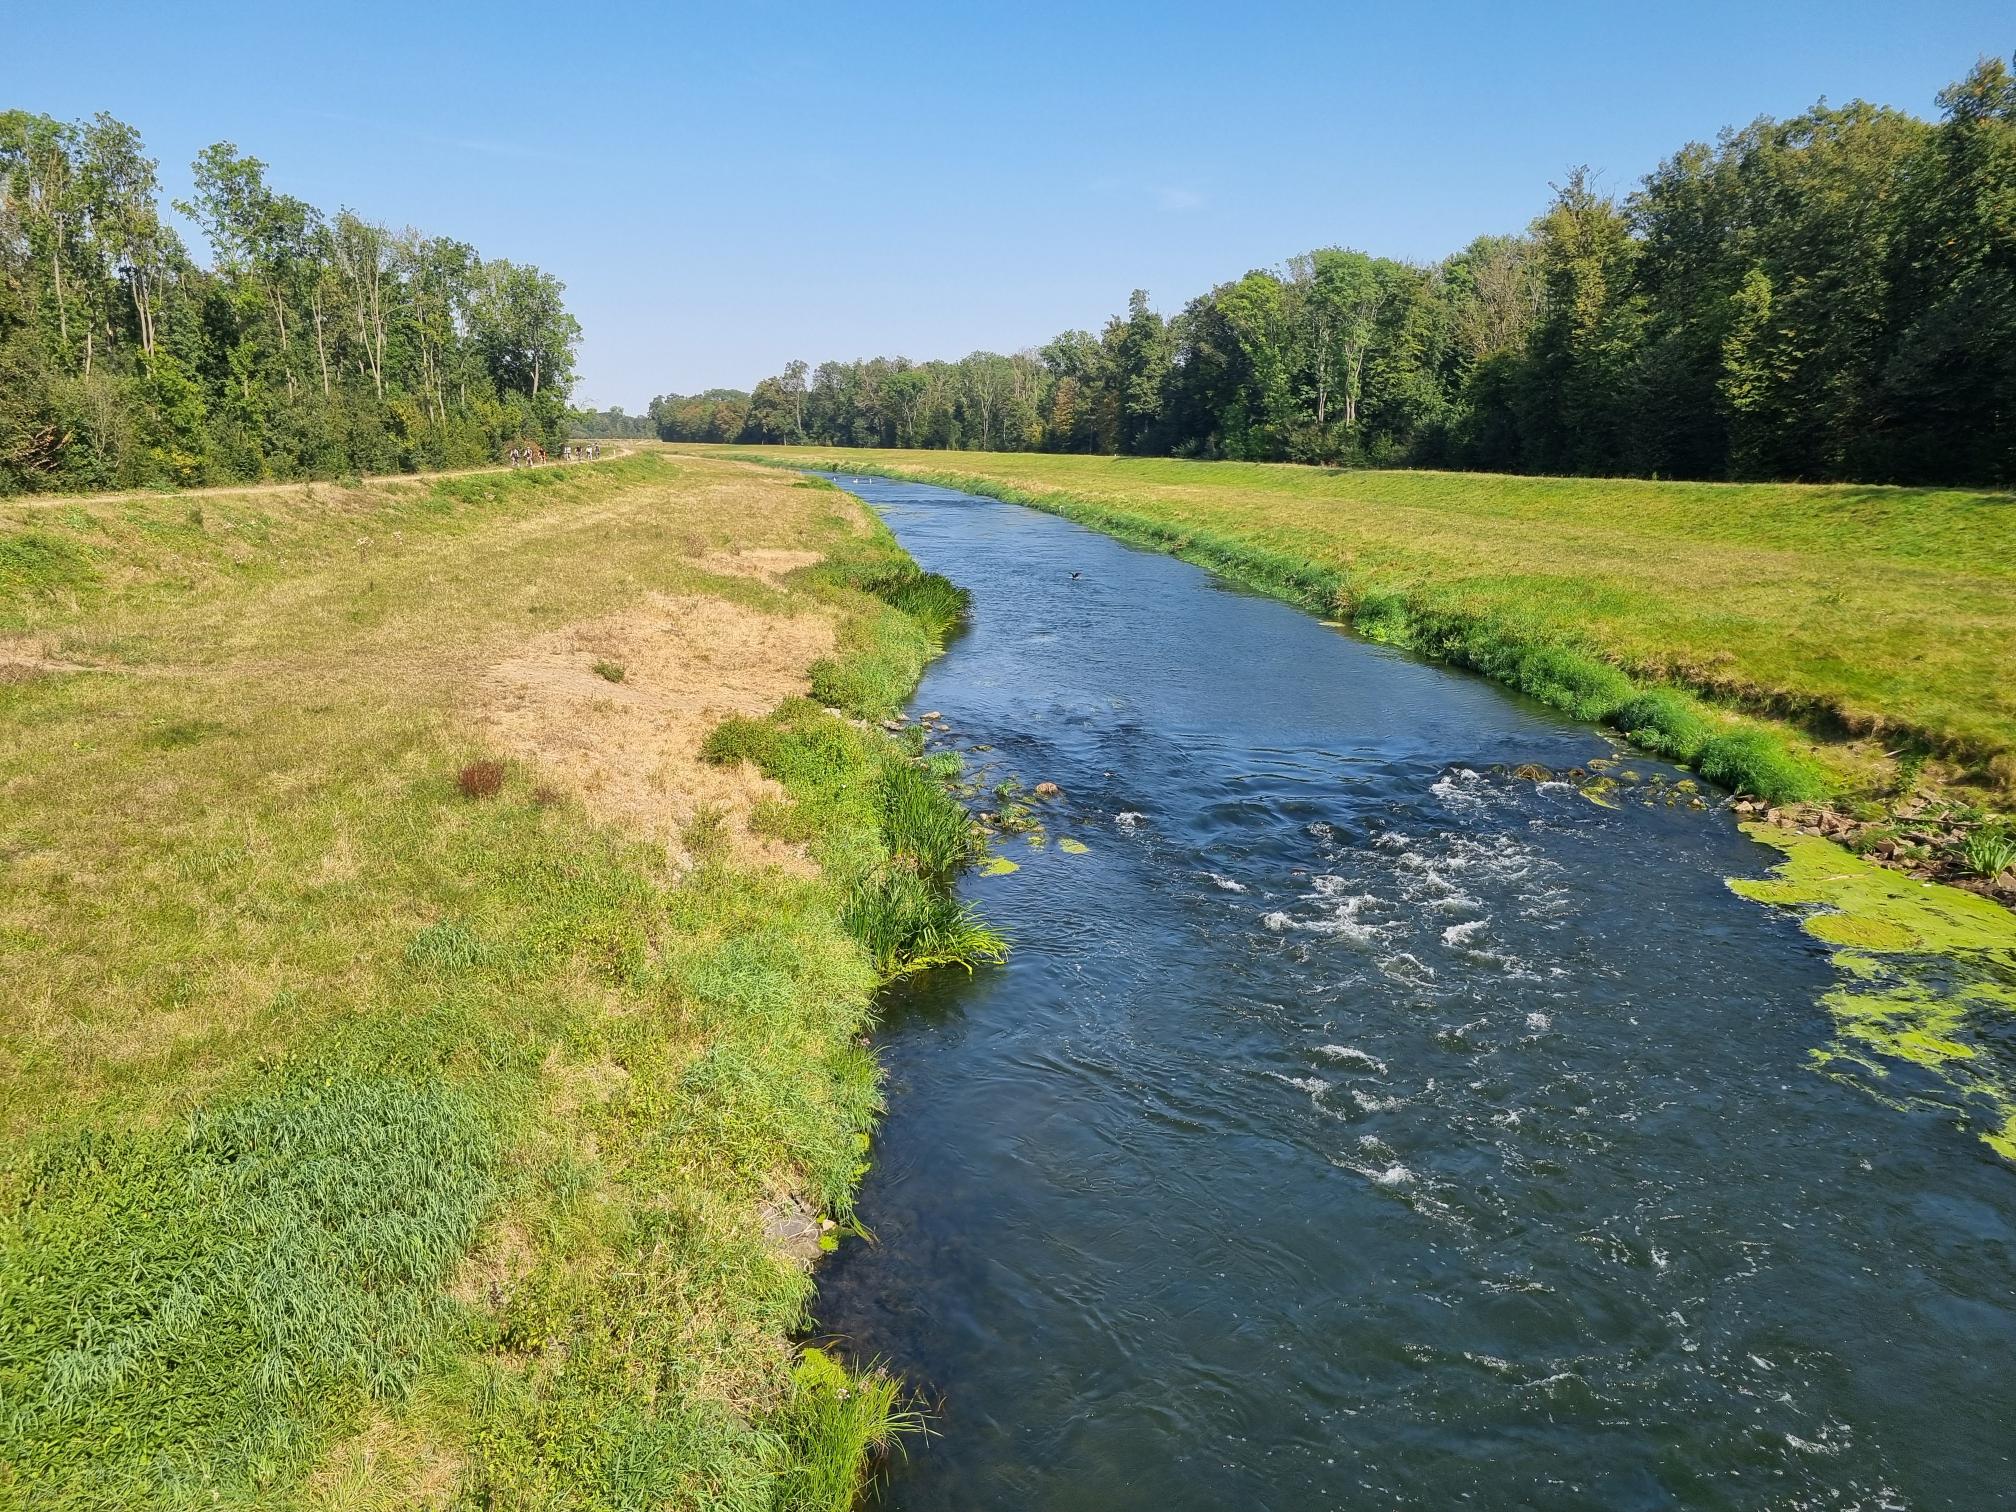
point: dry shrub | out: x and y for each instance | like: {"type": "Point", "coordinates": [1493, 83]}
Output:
{"type": "Point", "coordinates": [481, 779]}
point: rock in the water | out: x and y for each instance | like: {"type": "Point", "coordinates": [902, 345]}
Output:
{"type": "Point", "coordinates": [1048, 790]}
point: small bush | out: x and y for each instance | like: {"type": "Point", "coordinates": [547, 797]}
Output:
{"type": "Point", "coordinates": [1750, 761]}
{"type": "Point", "coordinates": [1662, 721]}
{"type": "Point", "coordinates": [737, 740]}
{"type": "Point", "coordinates": [1383, 617]}
{"type": "Point", "coordinates": [481, 779]}
{"type": "Point", "coordinates": [609, 671]}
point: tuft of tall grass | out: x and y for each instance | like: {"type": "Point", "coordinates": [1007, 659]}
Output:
{"type": "Point", "coordinates": [1383, 617]}
{"type": "Point", "coordinates": [839, 1423]}
{"type": "Point", "coordinates": [1663, 721]}
{"type": "Point", "coordinates": [924, 825]}
{"type": "Point", "coordinates": [1750, 761]}
{"type": "Point", "coordinates": [908, 925]}
{"type": "Point", "coordinates": [1989, 852]}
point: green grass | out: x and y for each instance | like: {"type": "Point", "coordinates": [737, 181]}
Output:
{"type": "Point", "coordinates": [374, 1141]}
{"type": "Point", "coordinates": [1847, 611]}
{"type": "Point", "coordinates": [880, 818]}
{"type": "Point", "coordinates": [1991, 852]}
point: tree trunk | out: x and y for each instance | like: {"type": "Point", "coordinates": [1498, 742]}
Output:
{"type": "Point", "coordinates": [56, 262]}
{"type": "Point", "coordinates": [321, 349]}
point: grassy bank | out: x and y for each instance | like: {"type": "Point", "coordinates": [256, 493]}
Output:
{"type": "Point", "coordinates": [1846, 644]}
{"type": "Point", "coordinates": [391, 1121]}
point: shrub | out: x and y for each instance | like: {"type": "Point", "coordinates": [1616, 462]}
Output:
{"type": "Point", "coordinates": [1383, 617]}
{"type": "Point", "coordinates": [1750, 761]}
{"type": "Point", "coordinates": [481, 779]}
{"type": "Point", "coordinates": [609, 671]}
{"type": "Point", "coordinates": [1662, 721]}
{"type": "Point", "coordinates": [739, 739]}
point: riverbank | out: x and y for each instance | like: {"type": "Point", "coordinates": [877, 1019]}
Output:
{"type": "Point", "coordinates": [434, 1050]}
{"type": "Point", "coordinates": [1847, 655]}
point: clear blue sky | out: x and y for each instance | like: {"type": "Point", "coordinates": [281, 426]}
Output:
{"type": "Point", "coordinates": [724, 187]}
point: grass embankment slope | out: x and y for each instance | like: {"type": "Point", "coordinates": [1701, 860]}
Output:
{"type": "Point", "coordinates": [419, 1063]}
{"type": "Point", "coordinates": [1868, 630]}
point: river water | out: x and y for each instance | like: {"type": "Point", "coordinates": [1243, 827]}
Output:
{"type": "Point", "coordinates": [1359, 1125]}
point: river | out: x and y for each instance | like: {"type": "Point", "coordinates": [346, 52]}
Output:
{"type": "Point", "coordinates": [1361, 1125]}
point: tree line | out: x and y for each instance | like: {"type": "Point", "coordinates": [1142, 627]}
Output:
{"type": "Point", "coordinates": [611, 422]}
{"type": "Point", "coordinates": [311, 345]}
{"type": "Point", "coordinates": [1827, 297]}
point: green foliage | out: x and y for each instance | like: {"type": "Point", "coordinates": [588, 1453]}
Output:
{"type": "Point", "coordinates": [609, 671]}
{"type": "Point", "coordinates": [313, 346]}
{"type": "Point", "coordinates": [838, 1423]}
{"type": "Point", "coordinates": [1821, 297]}
{"type": "Point", "coordinates": [1383, 617]}
{"type": "Point", "coordinates": [908, 925]}
{"type": "Point", "coordinates": [1989, 852]}
{"type": "Point", "coordinates": [1753, 761]}
{"type": "Point", "coordinates": [898, 851]}
{"type": "Point", "coordinates": [924, 826]}
{"type": "Point", "coordinates": [188, 1309]}
{"type": "Point", "coordinates": [1570, 680]}
{"type": "Point", "coordinates": [1663, 721]}
{"type": "Point", "coordinates": [32, 562]}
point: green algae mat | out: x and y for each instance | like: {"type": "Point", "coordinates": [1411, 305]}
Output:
{"type": "Point", "coordinates": [1930, 979]}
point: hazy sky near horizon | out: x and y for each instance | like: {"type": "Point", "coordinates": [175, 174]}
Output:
{"type": "Point", "coordinates": [723, 188]}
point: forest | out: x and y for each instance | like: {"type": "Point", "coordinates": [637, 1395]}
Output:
{"type": "Point", "coordinates": [311, 345]}
{"type": "Point", "coordinates": [1831, 297]}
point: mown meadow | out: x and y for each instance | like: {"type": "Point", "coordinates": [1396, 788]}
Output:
{"type": "Point", "coordinates": [1662, 609]}
{"type": "Point", "coordinates": [382, 1129]}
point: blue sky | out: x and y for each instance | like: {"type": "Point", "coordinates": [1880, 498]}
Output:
{"type": "Point", "coordinates": [725, 187]}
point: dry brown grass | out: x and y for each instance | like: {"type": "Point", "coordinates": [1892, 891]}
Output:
{"type": "Point", "coordinates": [630, 750]}
{"type": "Point", "coordinates": [316, 684]}
{"type": "Point", "coordinates": [390, 1466]}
